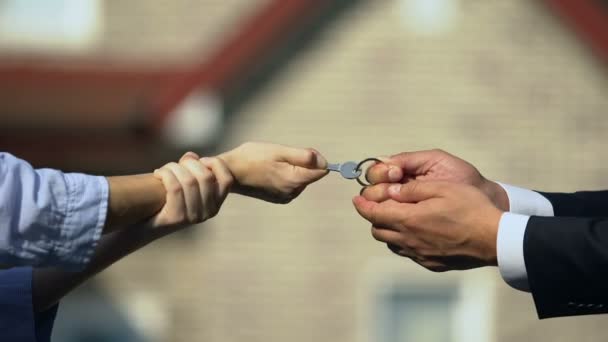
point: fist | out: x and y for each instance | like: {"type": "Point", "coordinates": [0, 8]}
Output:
{"type": "Point", "coordinates": [274, 173]}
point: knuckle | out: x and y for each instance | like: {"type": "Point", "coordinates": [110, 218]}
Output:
{"type": "Point", "coordinates": [229, 181]}
{"type": "Point", "coordinates": [411, 187]}
{"type": "Point", "coordinates": [179, 217]}
{"type": "Point", "coordinates": [190, 181]}
{"type": "Point", "coordinates": [207, 177]}
{"type": "Point", "coordinates": [394, 248]}
{"type": "Point", "coordinates": [425, 253]}
{"type": "Point", "coordinates": [174, 188]}
{"type": "Point", "coordinates": [373, 214]}
{"type": "Point", "coordinates": [192, 218]}
{"type": "Point", "coordinates": [214, 160]}
{"type": "Point", "coordinates": [407, 220]}
{"type": "Point", "coordinates": [376, 234]}
{"type": "Point", "coordinates": [412, 245]}
{"type": "Point", "coordinates": [290, 186]}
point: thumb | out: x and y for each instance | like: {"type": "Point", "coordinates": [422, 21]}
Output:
{"type": "Point", "coordinates": [415, 191]}
{"type": "Point", "coordinates": [304, 157]}
{"type": "Point", "coordinates": [307, 176]}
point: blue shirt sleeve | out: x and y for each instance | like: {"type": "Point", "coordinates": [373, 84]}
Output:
{"type": "Point", "coordinates": [49, 218]}
{"type": "Point", "coordinates": [18, 322]}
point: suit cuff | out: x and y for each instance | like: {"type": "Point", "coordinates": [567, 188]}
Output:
{"type": "Point", "coordinates": [527, 202]}
{"type": "Point", "coordinates": [510, 250]}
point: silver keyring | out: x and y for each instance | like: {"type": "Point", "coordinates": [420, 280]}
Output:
{"type": "Point", "coordinates": [358, 168]}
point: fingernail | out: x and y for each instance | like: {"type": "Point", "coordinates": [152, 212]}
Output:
{"type": "Point", "coordinates": [394, 174]}
{"type": "Point", "coordinates": [394, 189]}
{"type": "Point", "coordinates": [155, 170]}
{"type": "Point", "coordinates": [204, 159]}
{"type": "Point", "coordinates": [320, 160]}
{"type": "Point", "coordinates": [191, 155]}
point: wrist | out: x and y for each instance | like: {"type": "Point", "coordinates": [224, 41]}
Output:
{"type": "Point", "coordinates": [496, 193]}
{"type": "Point", "coordinates": [491, 224]}
{"type": "Point", "coordinates": [229, 157]}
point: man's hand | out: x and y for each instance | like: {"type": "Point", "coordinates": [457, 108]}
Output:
{"type": "Point", "coordinates": [440, 225]}
{"type": "Point", "coordinates": [435, 165]}
{"type": "Point", "coordinates": [196, 189]}
{"type": "Point", "coordinates": [273, 173]}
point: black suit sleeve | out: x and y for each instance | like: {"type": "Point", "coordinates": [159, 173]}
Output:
{"type": "Point", "coordinates": [567, 265]}
{"type": "Point", "coordinates": [581, 204]}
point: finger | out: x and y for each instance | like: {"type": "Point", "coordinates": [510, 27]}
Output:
{"type": "Point", "coordinates": [304, 157]}
{"type": "Point", "coordinates": [205, 183]}
{"type": "Point", "coordinates": [377, 193]}
{"type": "Point", "coordinates": [175, 195]}
{"type": "Point", "coordinates": [402, 251]}
{"type": "Point", "coordinates": [222, 175]}
{"type": "Point", "coordinates": [384, 173]}
{"type": "Point", "coordinates": [416, 163]}
{"type": "Point", "coordinates": [190, 188]}
{"type": "Point", "coordinates": [386, 235]}
{"type": "Point", "coordinates": [189, 155]}
{"type": "Point", "coordinates": [304, 176]}
{"type": "Point", "coordinates": [431, 265]}
{"type": "Point", "coordinates": [386, 214]}
{"type": "Point", "coordinates": [416, 191]}
{"type": "Point", "coordinates": [210, 194]}
{"type": "Point", "coordinates": [208, 190]}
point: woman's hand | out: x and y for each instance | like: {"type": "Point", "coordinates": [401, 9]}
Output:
{"type": "Point", "coordinates": [273, 173]}
{"type": "Point", "coordinates": [196, 188]}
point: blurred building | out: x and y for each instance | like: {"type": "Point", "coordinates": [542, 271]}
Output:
{"type": "Point", "coordinates": [505, 85]}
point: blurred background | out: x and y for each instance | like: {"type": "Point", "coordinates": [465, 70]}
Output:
{"type": "Point", "coordinates": [518, 88]}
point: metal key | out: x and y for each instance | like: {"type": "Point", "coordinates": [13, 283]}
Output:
{"type": "Point", "coordinates": [348, 170]}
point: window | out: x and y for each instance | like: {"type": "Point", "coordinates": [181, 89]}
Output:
{"type": "Point", "coordinates": [402, 302]}
{"type": "Point", "coordinates": [415, 314]}
{"type": "Point", "coordinates": [50, 25]}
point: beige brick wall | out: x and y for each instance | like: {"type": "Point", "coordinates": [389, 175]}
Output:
{"type": "Point", "coordinates": [510, 89]}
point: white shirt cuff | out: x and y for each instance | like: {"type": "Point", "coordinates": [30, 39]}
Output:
{"type": "Point", "coordinates": [527, 202]}
{"type": "Point", "coordinates": [510, 250]}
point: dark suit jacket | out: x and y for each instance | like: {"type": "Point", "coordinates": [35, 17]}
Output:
{"type": "Point", "coordinates": [567, 256]}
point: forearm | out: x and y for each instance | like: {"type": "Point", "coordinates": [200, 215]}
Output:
{"type": "Point", "coordinates": [133, 199]}
{"type": "Point", "coordinates": [581, 204]}
{"type": "Point", "coordinates": [566, 259]}
{"type": "Point", "coordinates": [49, 285]}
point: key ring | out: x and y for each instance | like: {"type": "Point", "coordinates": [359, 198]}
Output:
{"type": "Point", "coordinates": [358, 168]}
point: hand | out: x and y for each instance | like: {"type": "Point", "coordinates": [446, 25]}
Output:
{"type": "Point", "coordinates": [435, 165]}
{"type": "Point", "coordinates": [440, 225]}
{"type": "Point", "coordinates": [273, 173]}
{"type": "Point", "coordinates": [196, 189]}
